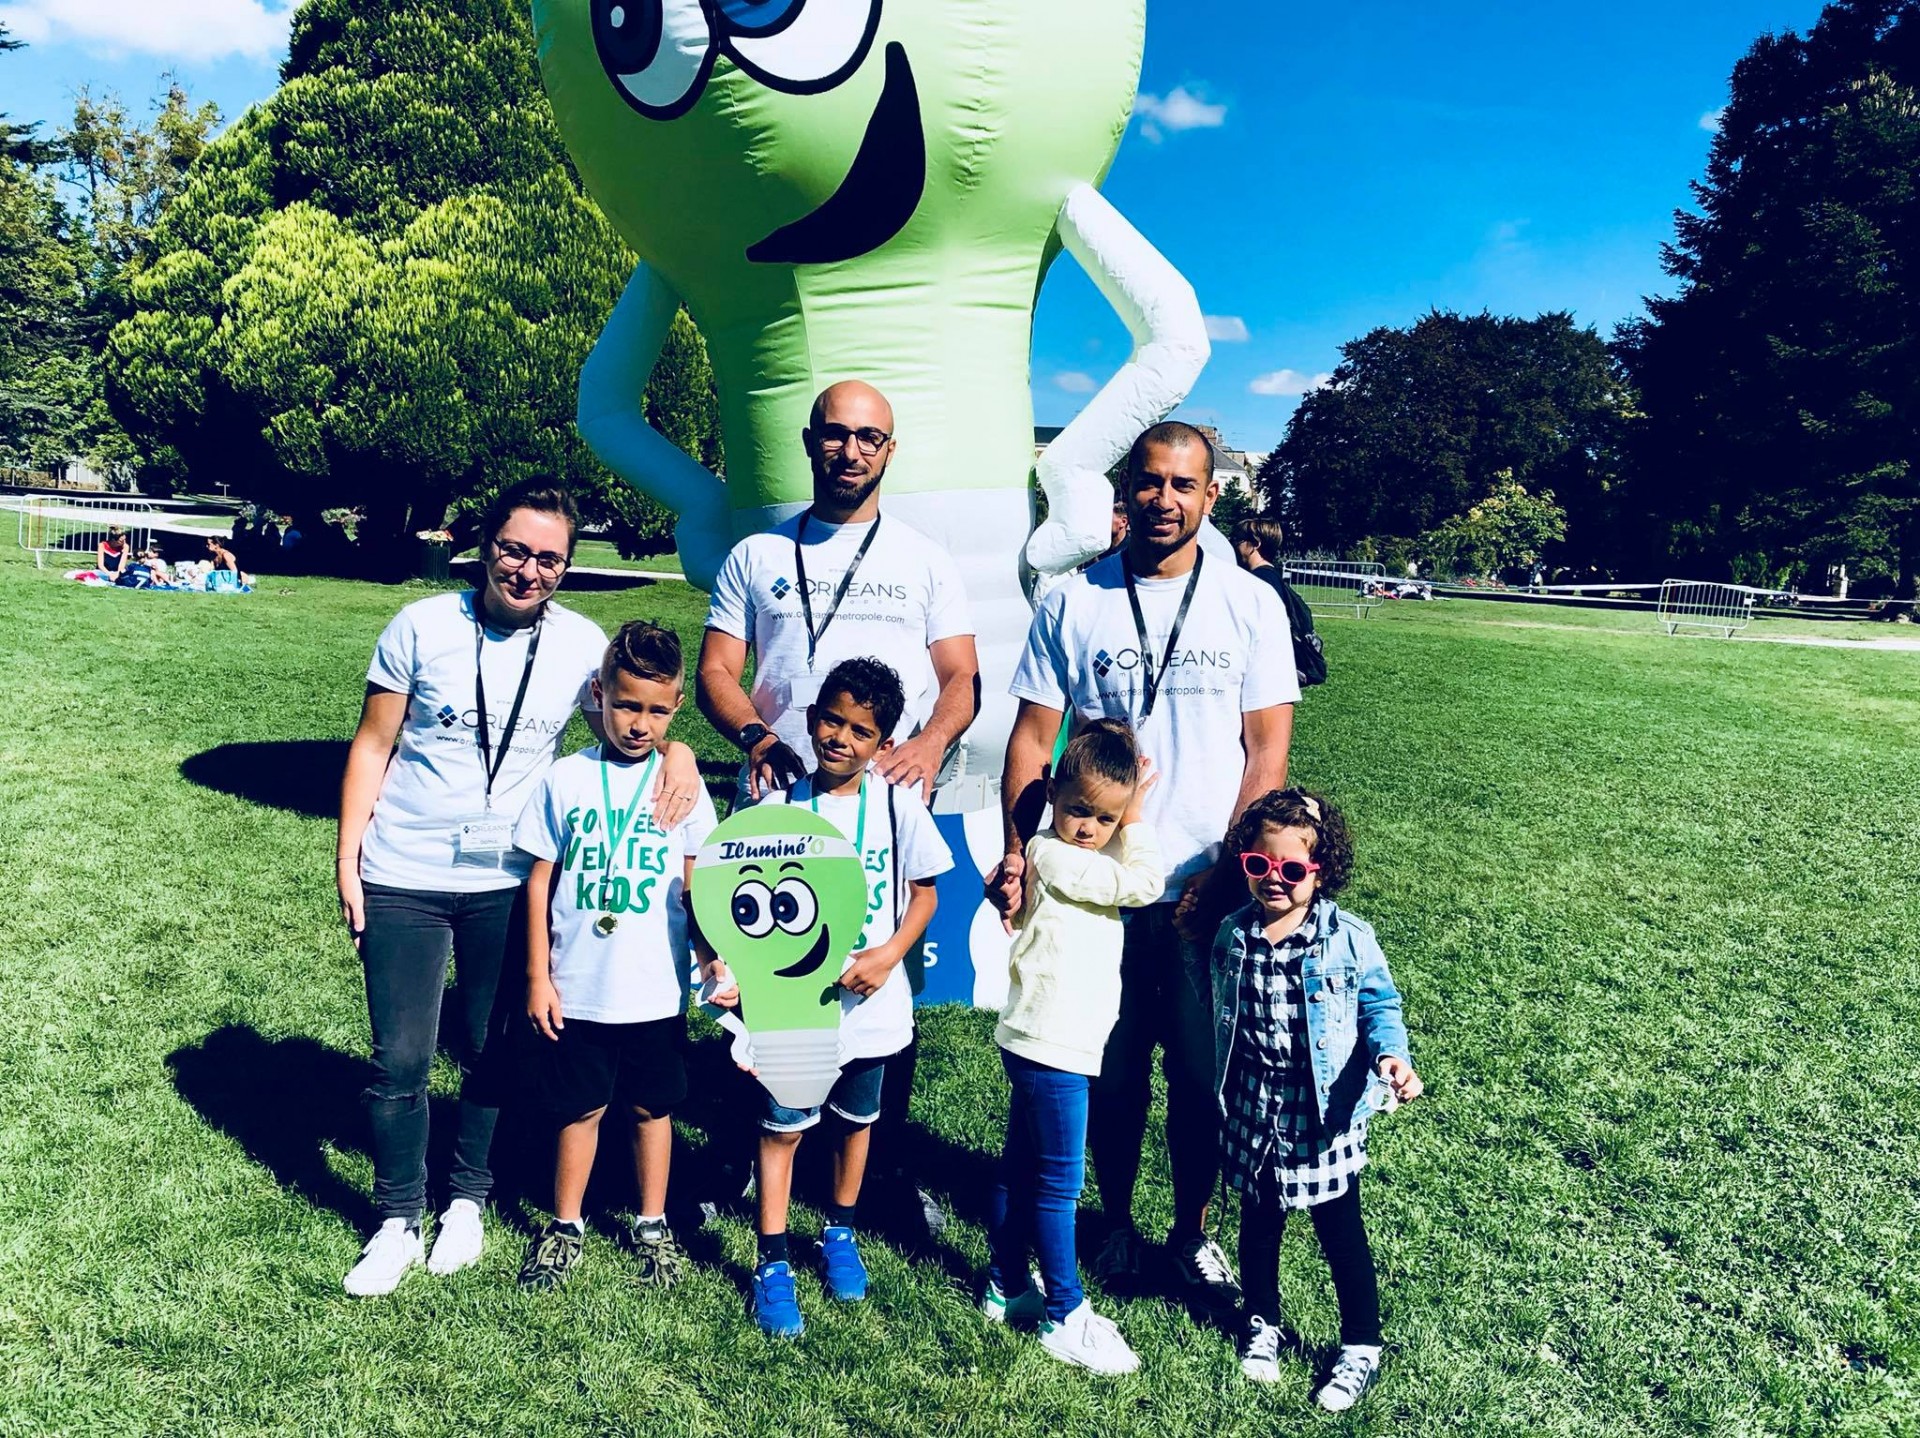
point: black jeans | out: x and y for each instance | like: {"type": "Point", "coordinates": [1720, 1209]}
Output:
{"type": "Point", "coordinates": [409, 937]}
{"type": "Point", "coordinates": [1343, 1238]}
{"type": "Point", "coordinates": [1166, 999]}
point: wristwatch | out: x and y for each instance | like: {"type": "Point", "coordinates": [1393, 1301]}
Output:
{"type": "Point", "coordinates": [752, 735]}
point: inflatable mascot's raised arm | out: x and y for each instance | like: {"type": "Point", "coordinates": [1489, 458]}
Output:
{"type": "Point", "coordinates": [871, 189]}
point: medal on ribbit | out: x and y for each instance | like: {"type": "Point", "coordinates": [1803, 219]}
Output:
{"type": "Point", "coordinates": [617, 824]}
{"type": "Point", "coordinates": [607, 924]}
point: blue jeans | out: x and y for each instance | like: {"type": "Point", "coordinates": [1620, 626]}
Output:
{"type": "Point", "coordinates": [1042, 1171]}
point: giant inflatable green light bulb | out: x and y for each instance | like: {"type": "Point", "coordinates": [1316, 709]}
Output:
{"type": "Point", "coordinates": [871, 189]}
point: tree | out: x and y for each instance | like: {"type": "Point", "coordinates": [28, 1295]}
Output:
{"type": "Point", "coordinates": [364, 296]}
{"type": "Point", "coordinates": [1509, 529]}
{"type": "Point", "coordinates": [18, 144]}
{"type": "Point", "coordinates": [1781, 385]}
{"type": "Point", "coordinates": [1417, 424]}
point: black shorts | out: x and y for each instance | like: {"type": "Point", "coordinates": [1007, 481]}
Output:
{"type": "Point", "coordinates": [593, 1065]}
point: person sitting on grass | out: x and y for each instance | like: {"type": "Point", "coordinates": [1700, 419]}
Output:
{"type": "Point", "coordinates": [1309, 1041]}
{"type": "Point", "coordinates": [850, 724]}
{"type": "Point", "coordinates": [1062, 1000]}
{"type": "Point", "coordinates": [607, 951]}
{"type": "Point", "coordinates": [113, 555]}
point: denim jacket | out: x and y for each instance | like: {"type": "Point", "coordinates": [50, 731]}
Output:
{"type": "Point", "coordinates": [1353, 1009]}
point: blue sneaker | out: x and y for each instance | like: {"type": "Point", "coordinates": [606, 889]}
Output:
{"type": "Point", "coordinates": [840, 1266]}
{"type": "Point", "coordinates": [775, 1308]}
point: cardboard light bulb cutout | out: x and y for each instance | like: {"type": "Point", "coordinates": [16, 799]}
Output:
{"type": "Point", "coordinates": [872, 190]}
{"type": "Point", "coordinates": [781, 897]}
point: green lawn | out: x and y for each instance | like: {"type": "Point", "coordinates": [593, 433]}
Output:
{"type": "Point", "coordinates": [1650, 903]}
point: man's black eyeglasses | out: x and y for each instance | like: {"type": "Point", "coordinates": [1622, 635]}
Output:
{"type": "Point", "coordinates": [835, 436]}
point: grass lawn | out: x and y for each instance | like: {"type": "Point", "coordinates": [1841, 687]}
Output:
{"type": "Point", "coordinates": [1650, 903]}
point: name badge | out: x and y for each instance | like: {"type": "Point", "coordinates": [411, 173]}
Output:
{"type": "Point", "coordinates": [803, 689]}
{"type": "Point", "coordinates": [483, 837]}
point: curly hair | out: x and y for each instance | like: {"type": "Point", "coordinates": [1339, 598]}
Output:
{"type": "Point", "coordinates": [1331, 846]}
{"type": "Point", "coordinates": [868, 682]}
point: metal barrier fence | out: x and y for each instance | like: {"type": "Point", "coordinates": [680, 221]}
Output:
{"type": "Point", "coordinates": [1355, 584]}
{"type": "Point", "coordinates": [55, 524]}
{"type": "Point", "coordinates": [1707, 604]}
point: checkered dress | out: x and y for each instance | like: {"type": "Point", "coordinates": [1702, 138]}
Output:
{"type": "Point", "coordinates": [1275, 1145]}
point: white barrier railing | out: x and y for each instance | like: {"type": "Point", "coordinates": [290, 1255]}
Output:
{"type": "Point", "coordinates": [55, 524]}
{"type": "Point", "coordinates": [1326, 584]}
{"type": "Point", "coordinates": [1707, 604]}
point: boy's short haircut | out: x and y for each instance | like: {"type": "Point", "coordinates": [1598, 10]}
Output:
{"type": "Point", "coordinates": [1103, 749]}
{"type": "Point", "coordinates": [645, 650]}
{"type": "Point", "coordinates": [1265, 535]}
{"type": "Point", "coordinates": [868, 682]}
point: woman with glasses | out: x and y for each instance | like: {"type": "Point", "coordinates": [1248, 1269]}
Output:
{"type": "Point", "coordinates": [468, 698]}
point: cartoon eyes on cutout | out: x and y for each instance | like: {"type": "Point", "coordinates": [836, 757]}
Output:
{"type": "Point", "coordinates": [659, 53]}
{"type": "Point", "coordinates": [758, 909]}
{"type": "Point", "coordinates": [794, 906]}
{"type": "Point", "coordinates": [753, 909]}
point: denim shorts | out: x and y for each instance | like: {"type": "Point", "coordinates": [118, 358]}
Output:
{"type": "Point", "coordinates": [855, 1098]}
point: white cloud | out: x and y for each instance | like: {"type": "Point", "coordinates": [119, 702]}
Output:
{"type": "Point", "coordinates": [1288, 382]}
{"type": "Point", "coordinates": [1075, 381]}
{"type": "Point", "coordinates": [196, 30]}
{"type": "Point", "coordinates": [1229, 329]}
{"type": "Point", "coordinates": [1710, 122]}
{"type": "Point", "coordinates": [1179, 109]}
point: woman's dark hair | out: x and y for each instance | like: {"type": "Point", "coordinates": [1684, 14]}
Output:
{"type": "Point", "coordinates": [868, 682]}
{"type": "Point", "coordinates": [534, 494]}
{"type": "Point", "coordinates": [645, 650]}
{"type": "Point", "coordinates": [1103, 749]}
{"type": "Point", "coordinates": [1332, 849]}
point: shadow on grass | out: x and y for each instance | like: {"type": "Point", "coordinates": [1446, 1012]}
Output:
{"type": "Point", "coordinates": [301, 776]}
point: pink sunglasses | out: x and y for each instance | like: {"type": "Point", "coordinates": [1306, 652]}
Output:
{"type": "Point", "coordinates": [1292, 871]}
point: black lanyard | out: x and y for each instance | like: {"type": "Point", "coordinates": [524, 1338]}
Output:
{"type": "Point", "coordinates": [1152, 673]}
{"type": "Point", "coordinates": [814, 636]}
{"type": "Point", "coordinates": [489, 765]}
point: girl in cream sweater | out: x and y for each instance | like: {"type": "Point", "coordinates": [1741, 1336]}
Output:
{"type": "Point", "coordinates": [1062, 1001]}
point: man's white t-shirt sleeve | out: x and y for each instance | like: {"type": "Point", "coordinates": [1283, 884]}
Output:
{"type": "Point", "coordinates": [1270, 678]}
{"type": "Point", "coordinates": [730, 609]}
{"type": "Point", "coordinates": [948, 615]}
{"type": "Point", "coordinates": [394, 660]}
{"type": "Point", "coordinates": [1041, 677]}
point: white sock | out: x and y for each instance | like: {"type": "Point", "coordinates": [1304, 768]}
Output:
{"type": "Point", "coordinates": [1363, 1350]}
{"type": "Point", "coordinates": [653, 1219]}
{"type": "Point", "coordinates": [579, 1225]}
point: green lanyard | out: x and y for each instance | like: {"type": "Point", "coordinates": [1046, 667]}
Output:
{"type": "Point", "coordinates": [860, 833]}
{"type": "Point", "coordinates": [614, 832]}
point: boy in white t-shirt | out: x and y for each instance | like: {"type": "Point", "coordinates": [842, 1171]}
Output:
{"type": "Point", "coordinates": [853, 719]}
{"type": "Point", "coordinates": [607, 951]}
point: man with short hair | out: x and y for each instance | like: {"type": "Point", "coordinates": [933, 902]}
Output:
{"type": "Point", "coordinates": [1257, 543]}
{"type": "Point", "coordinates": [1197, 657]}
{"type": "Point", "coordinates": [840, 580]}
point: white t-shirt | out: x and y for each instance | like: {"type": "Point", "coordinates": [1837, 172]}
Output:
{"type": "Point", "coordinates": [905, 596]}
{"type": "Point", "coordinates": [909, 844]}
{"type": "Point", "coordinates": [1235, 655]}
{"type": "Point", "coordinates": [639, 971]}
{"type": "Point", "coordinates": [435, 782]}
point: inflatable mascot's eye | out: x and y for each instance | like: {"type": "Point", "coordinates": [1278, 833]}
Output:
{"type": "Point", "coordinates": [658, 53]}
{"type": "Point", "coordinates": [800, 46]}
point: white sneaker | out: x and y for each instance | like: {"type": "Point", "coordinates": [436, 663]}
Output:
{"type": "Point", "coordinates": [385, 1260]}
{"type": "Point", "coordinates": [1260, 1351]}
{"type": "Point", "coordinates": [1355, 1371]}
{"type": "Point", "coordinates": [458, 1240]}
{"type": "Point", "coordinates": [1025, 1309]}
{"type": "Point", "coordinates": [1085, 1338]}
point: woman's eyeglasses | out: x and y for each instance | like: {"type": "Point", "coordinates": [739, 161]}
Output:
{"type": "Point", "coordinates": [1291, 871]}
{"type": "Point", "coordinates": [517, 556]}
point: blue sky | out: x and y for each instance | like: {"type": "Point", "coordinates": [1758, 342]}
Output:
{"type": "Point", "coordinates": [1315, 170]}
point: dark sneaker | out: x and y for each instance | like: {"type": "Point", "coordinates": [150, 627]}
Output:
{"type": "Point", "coordinates": [1121, 1265]}
{"type": "Point", "coordinates": [1206, 1275]}
{"type": "Point", "coordinates": [658, 1257]}
{"type": "Point", "coordinates": [1354, 1372]}
{"type": "Point", "coordinates": [1260, 1351]}
{"type": "Point", "coordinates": [841, 1268]}
{"type": "Point", "coordinates": [776, 1308]}
{"type": "Point", "coordinates": [551, 1258]}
